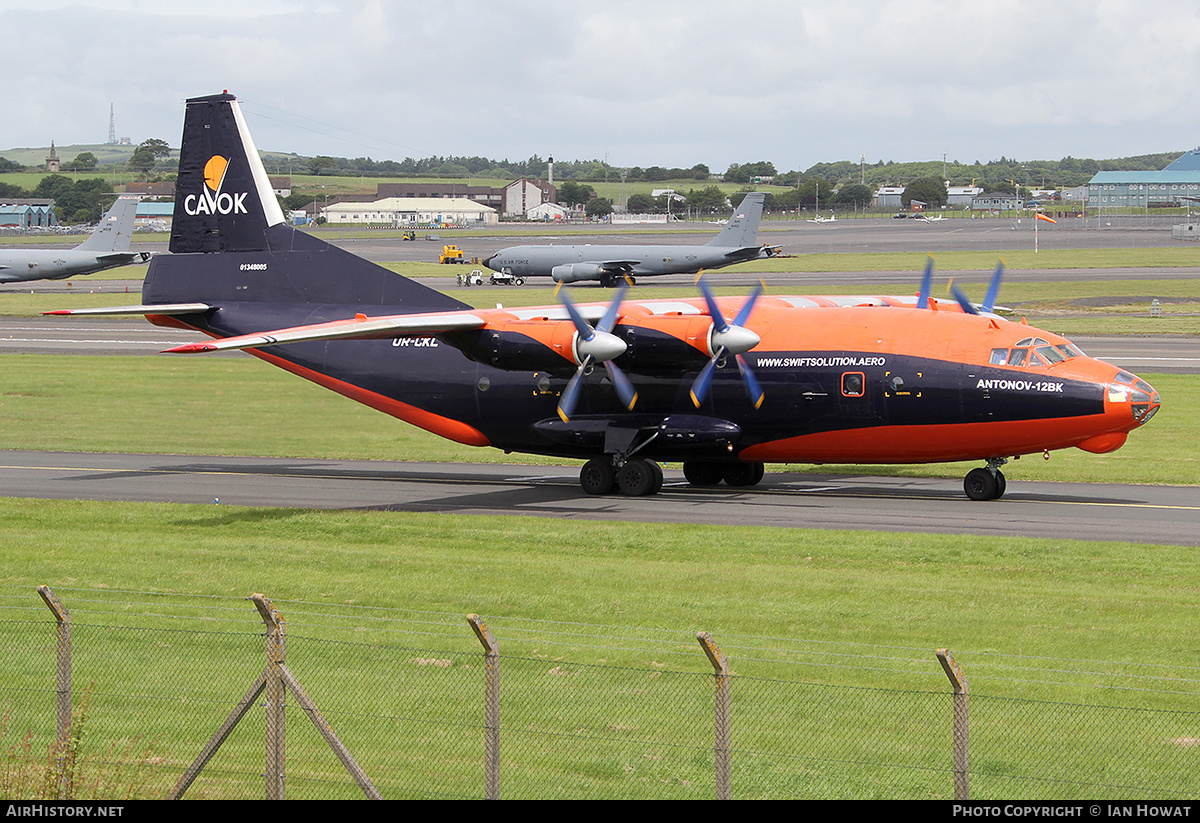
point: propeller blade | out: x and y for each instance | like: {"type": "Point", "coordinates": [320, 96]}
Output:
{"type": "Point", "coordinates": [586, 332]}
{"type": "Point", "coordinates": [704, 380]}
{"type": "Point", "coordinates": [610, 317]}
{"type": "Point", "coordinates": [926, 285]}
{"type": "Point", "coordinates": [622, 384]}
{"type": "Point", "coordinates": [752, 385]}
{"type": "Point", "coordinates": [714, 311]}
{"type": "Point", "coordinates": [748, 306]}
{"type": "Point", "coordinates": [570, 395]}
{"type": "Point", "coordinates": [967, 305]}
{"type": "Point", "coordinates": [989, 301]}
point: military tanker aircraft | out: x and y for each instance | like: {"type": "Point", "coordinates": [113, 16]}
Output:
{"type": "Point", "coordinates": [723, 385]}
{"type": "Point", "coordinates": [613, 264]}
{"type": "Point", "coordinates": [106, 248]}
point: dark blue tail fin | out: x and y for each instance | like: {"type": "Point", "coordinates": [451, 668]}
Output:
{"type": "Point", "coordinates": [231, 244]}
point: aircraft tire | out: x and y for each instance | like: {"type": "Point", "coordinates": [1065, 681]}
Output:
{"type": "Point", "coordinates": [658, 476]}
{"type": "Point", "coordinates": [637, 478]}
{"type": "Point", "coordinates": [1001, 485]}
{"type": "Point", "coordinates": [743, 474]}
{"type": "Point", "coordinates": [981, 484]}
{"type": "Point", "coordinates": [702, 472]}
{"type": "Point", "coordinates": [597, 476]}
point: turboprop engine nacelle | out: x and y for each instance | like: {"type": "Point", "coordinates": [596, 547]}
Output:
{"type": "Point", "coordinates": [573, 272]}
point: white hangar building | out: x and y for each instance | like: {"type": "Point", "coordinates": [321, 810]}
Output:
{"type": "Point", "coordinates": [410, 211]}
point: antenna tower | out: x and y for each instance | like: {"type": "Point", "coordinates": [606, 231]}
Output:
{"type": "Point", "coordinates": [112, 126]}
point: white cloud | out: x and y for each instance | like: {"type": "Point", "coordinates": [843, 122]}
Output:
{"type": "Point", "coordinates": [663, 83]}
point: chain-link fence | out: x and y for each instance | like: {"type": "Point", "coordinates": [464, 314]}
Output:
{"type": "Point", "coordinates": [120, 695]}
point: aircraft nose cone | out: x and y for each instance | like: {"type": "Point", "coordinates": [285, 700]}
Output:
{"type": "Point", "coordinates": [487, 261]}
{"type": "Point", "coordinates": [1143, 401]}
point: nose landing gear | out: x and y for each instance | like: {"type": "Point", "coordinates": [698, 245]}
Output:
{"type": "Point", "coordinates": [987, 483]}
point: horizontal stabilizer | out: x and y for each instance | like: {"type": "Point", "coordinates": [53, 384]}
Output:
{"type": "Point", "coordinates": [165, 308]}
{"type": "Point", "coordinates": [360, 326]}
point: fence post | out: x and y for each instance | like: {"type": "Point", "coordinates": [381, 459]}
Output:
{"type": "Point", "coordinates": [276, 694]}
{"type": "Point", "coordinates": [962, 741]}
{"type": "Point", "coordinates": [63, 666]}
{"type": "Point", "coordinates": [491, 699]}
{"type": "Point", "coordinates": [722, 738]}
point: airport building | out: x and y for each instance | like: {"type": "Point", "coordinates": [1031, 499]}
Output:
{"type": "Point", "coordinates": [27, 213]}
{"type": "Point", "coordinates": [1146, 189]}
{"type": "Point", "coordinates": [410, 211]}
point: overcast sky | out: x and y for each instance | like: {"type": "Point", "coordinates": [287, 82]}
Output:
{"type": "Point", "coordinates": [638, 83]}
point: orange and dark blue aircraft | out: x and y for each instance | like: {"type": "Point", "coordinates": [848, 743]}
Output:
{"type": "Point", "coordinates": [722, 385]}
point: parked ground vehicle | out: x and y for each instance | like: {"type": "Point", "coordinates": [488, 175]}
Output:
{"type": "Point", "coordinates": [451, 254]}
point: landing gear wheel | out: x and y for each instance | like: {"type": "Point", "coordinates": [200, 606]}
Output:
{"type": "Point", "coordinates": [981, 484]}
{"type": "Point", "coordinates": [638, 478]}
{"type": "Point", "coordinates": [743, 474]}
{"type": "Point", "coordinates": [597, 476]}
{"type": "Point", "coordinates": [702, 473]}
{"type": "Point", "coordinates": [1001, 485]}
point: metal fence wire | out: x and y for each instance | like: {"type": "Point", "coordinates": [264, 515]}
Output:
{"type": "Point", "coordinates": [205, 698]}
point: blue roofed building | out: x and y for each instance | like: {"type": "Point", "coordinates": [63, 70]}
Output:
{"type": "Point", "coordinates": [1147, 189]}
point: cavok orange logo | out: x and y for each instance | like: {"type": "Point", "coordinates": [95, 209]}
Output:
{"type": "Point", "coordinates": [212, 200]}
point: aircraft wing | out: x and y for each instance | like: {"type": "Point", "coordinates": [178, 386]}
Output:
{"type": "Point", "coordinates": [615, 266]}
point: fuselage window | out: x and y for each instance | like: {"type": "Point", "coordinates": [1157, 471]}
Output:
{"type": "Point", "coordinates": [853, 383]}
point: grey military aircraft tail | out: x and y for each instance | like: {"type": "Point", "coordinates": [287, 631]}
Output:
{"type": "Point", "coordinates": [736, 243]}
{"type": "Point", "coordinates": [107, 247]}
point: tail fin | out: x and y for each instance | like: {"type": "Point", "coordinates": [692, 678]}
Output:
{"type": "Point", "coordinates": [231, 244]}
{"type": "Point", "coordinates": [742, 228]}
{"type": "Point", "coordinates": [115, 229]}
{"type": "Point", "coordinates": [223, 197]}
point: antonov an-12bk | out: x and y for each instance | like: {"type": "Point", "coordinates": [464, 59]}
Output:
{"type": "Point", "coordinates": [612, 264]}
{"type": "Point", "coordinates": [722, 385]}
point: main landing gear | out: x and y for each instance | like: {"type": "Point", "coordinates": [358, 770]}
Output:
{"type": "Point", "coordinates": [988, 483]}
{"type": "Point", "coordinates": [638, 477]}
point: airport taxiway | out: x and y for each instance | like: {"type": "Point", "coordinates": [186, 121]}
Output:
{"type": "Point", "coordinates": [1168, 515]}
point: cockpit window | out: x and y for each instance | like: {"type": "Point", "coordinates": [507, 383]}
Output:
{"type": "Point", "coordinates": [1051, 354]}
{"type": "Point", "coordinates": [999, 357]}
{"type": "Point", "coordinates": [1017, 357]}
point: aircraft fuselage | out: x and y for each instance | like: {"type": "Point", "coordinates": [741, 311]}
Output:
{"type": "Point", "coordinates": [569, 264]}
{"type": "Point", "coordinates": [18, 265]}
{"type": "Point", "coordinates": [902, 386]}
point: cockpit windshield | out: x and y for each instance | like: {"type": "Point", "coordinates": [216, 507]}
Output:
{"type": "Point", "coordinates": [1033, 352]}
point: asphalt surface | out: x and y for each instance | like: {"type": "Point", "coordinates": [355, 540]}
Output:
{"type": "Point", "coordinates": [1168, 515]}
{"type": "Point", "coordinates": [1089, 511]}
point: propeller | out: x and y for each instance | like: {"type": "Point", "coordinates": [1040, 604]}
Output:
{"type": "Point", "coordinates": [593, 345]}
{"type": "Point", "coordinates": [926, 285]}
{"type": "Point", "coordinates": [989, 300]}
{"type": "Point", "coordinates": [728, 337]}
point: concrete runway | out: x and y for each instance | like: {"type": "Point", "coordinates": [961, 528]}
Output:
{"type": "Point", "coordinates": [1137, 514]}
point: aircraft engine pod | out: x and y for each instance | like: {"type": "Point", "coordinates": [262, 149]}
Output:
{"type": "Point", "coordinates": [856, 379]}
{"type": "Point", "coordinates": [574, 272]}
